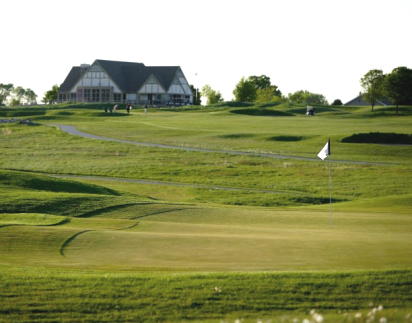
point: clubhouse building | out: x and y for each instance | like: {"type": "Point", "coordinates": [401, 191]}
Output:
{"type": "Point", "coordinates": [126, 82]}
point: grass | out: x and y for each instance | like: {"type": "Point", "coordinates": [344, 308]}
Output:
{"type": "Point", "coordinates": [260, 247]}
{"type": "Point", "coordinates": [128, 297]}
{"type": "Point", "coordinates": [30, 219]}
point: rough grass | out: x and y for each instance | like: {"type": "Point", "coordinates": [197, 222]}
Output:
{"type": "Point", "coordinates": [129, 297]}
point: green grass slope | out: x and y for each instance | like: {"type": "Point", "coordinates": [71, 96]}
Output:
{"type": "Point", "coordinates": [104, 250]}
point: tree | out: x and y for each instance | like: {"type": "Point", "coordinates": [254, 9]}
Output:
{"type": "Point", "coordinates": [29, 96]}
{"type": "Point", "coordinates": [51, 95]}
{"type": "Point", "coordinates": [268, 94]}
{"type": "Point", "coordinates": [261, 82]}
{"type": "Point", "coordinates": [372, 85]}
{"type": "Point", "coordinates": [307, 97]}
{"type": "Point", "coordinates": [256, 89]}
{"type": "Point", "coordinates": [337, 102]}
{"type": "Point", "coordinates": [245, 91]}
{"type": "Point", "coordinates": [211, 95]}
{"type": "Point", "coordinates": [397, 85]}
{"type": "Point", "coordinates": [196, 95]}
{"type": "Point", "coordinates": [18, 94]}
{"type": "Point", "coordinates": [5, 90]}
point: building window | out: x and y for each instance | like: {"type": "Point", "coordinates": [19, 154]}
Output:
{"type": "Point", "coordinates": [80, 95]}
{"type": "Point", "coordinates": [72, 97]}
{"type": "Point", "coordinates": [95, 95]}
{"type": "Point", "coordinates": [105, 95]}
{"type": "Point", "coordinates": [117, 97]}
{"type": "Point", "coordinates": [86, 95]}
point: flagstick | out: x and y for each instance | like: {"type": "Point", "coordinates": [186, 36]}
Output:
{"type": "Point", "coordinates": [330, 193]}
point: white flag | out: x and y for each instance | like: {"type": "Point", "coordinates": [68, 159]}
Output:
{"type": "Point", "coordinates": [325, 152]}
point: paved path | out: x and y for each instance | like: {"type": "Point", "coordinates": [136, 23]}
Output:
{"type": "Point", "coordinates": [72, 130]}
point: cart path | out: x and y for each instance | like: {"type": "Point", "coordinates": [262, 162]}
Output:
{"type": "Point", "coordinates": [72, 130]}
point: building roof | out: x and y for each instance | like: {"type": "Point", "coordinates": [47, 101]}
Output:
{"type": "Point", "coordinates": [359, 101]}
{"type": "Point", "coordinates": [75, 73]}
{"type": "Point", "coordinates": [128, 76]}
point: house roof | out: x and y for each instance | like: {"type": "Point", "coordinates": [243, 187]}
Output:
{"type": "Point", "coordinates": [128, 76]}
{"type": "Point", "coordinates": [75, 73]}
{"type": "Point", "coordinates": [359, 101]}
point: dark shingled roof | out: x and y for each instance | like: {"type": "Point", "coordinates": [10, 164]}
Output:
{"type": "Point", "coordinates": [128, 76]}
{"type": "Point", "coordinates": [359, 101]}
{"type": "Point", "coordinates": [75, 73]}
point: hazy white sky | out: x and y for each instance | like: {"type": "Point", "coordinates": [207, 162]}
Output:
{"type": "Point", "coordinates": [323, 46]}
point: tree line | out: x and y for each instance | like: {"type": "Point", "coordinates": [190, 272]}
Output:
{"type": "Point", "coordinates": [16, 95]}
{"type": "Point", "coordinates": [396, 86]}
{"type": "Point", "coordinates": [259, 89]}
{"type": "Point", "coordinates": [376, 86]}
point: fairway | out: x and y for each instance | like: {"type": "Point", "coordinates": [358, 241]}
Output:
{"type": "Point", "coordinates": [210, 194]}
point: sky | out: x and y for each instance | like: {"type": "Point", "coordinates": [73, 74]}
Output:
{"type": "Point", "coordinates": [322, 46]}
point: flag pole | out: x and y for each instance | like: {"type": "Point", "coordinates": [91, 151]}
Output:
{"type": "Point", "coordinates": [325, 153]}
{"type": "Point", "coordinates": [330, 193]}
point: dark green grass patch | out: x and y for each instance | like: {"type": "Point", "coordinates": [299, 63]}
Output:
{"type": "Point", "coordinates": [379, 138]}
{"type": "Point", "coordinates": [236, 136]}
{"type": "Point", "coordinates": [260, 198]}
{"type": "Point", "coordinates": [261, 112]}
{"type": "Point", "coordinates": [286, 138]}
{"type": "Point", "coordinates": [28, 181]}
{"type": "Point", "coordinates": [22, 192]}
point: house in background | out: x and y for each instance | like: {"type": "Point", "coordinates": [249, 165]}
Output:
{"type": "Point", "coordinates": [126, 82]}
{"type": "Point", "coordinates": [359, 101]}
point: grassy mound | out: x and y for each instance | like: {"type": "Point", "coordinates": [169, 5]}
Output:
{"type": "Point", "coordinates": [30, 219]}
{"type": "Point", "coordinates": [14, 179]}
{"type": "Point", "coordinates": [379, 138]}
{"type": "Point", "coordinates": [29, 193]}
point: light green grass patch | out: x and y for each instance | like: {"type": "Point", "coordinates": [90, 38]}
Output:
{"type": "Point", "coordinates": [31, 219]}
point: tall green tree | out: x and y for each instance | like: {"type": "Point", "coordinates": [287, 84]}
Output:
{"type": "Point", "coordinates": [256, 89]}
{"type": "Point", "coordinates": [372, 85]}
{"type": "Point", "coordinates": [398, 86]}
{"type": "Point", "coordinates": [29, 96]}
{"type": "Point", "coordinates": [196, 95]}
{"type": "Point", "coordinates": [51, 95]}
{"type": "Point", "coordinates": [245, 91]}
{"type": "Point", "coordinates": [211, 95]}
{"type": "Point", "coordinates": [5, 90]}
{"type": "Point", "coordinates": [261, 82]}
{"type": "Point", "coordinates": [268, 94]}
{"type": "Point", "coordinates": [18, 94]}
{"type": "Point", "coordinates": [307, 97]}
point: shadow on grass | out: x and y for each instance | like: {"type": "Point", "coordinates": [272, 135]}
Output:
{"type": "Point", "coordinates": [259, 112]}
{"type": "Point", "coordinates": [379, 138]}
{"type": "Point", "coordinates": [286, 138]}
{"type": "Point", "coordinates": [70, 240]}
{"type": "Point", "coordinates": [236, 136]}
